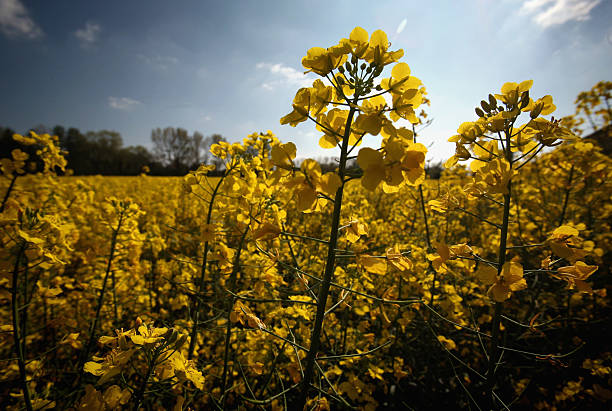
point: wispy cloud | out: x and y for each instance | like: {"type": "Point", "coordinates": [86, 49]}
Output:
{"type": "Point", "coordinates": [401, 26]}
{"type": "Point", "coordinates": [159, 62]}
{"type": "Point", "coordinates": [15, 21]}
{"type": "Point", "coordinates": [282, 75]}
{"type": "Point", "coordinates": [89, 34]}
{"type": "Point", "coordinates": [123, 103]}
{"type": "Point", "coordinates": [547, 13]}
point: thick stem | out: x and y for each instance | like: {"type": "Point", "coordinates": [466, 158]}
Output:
{"type": "Point", "coordinates": [115, 307]}
{"type": "Point", "coordinates": [501, 260]}
{"type": "Point", "coordinates": [141, 390]}
{"type": "Point", "coordinates": [315, 336]}
{"type": "Point", "coordinates": [19, 344]}
{"type": "Point", "coordinates": [568, 190]}
{"type": "Point", "coordinates": [230, 305]}
{"type": "Point", "coordinates": [8, 192]}
{"type": "Point", "coordinates": [94, 325]}
{"type": "Point", "coordinates": [198, 299]}
{"type": "Point", "coordinates": [428, 236]}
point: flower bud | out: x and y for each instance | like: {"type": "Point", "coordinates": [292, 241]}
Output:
{"type": "Point", "coordinates": [524, 103]}
{"type": "Point", "coordinates": [479, 112]}
{"type": "Point", "coordinates": [173, 337]}
{"type": "Point", "coordinates": [536, 111]}
{"type": "Point", "coordinates": [168, 333]}
{"type": "Point", "coordinates": [180, 341]}
{"type": "Point", "coordinates": [492, 100]}
{"type": "Point", "coordinates": [485, 106]}
{"type": "Point", "coordinates": [123, 342]}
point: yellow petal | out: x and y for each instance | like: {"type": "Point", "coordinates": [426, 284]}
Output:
{"type": "Point", "coordinates": [358, 35]}
{"type": "Point", "coordinates": [330, 182]}
{"type": "Point", "coordinates": [486, 274]}
{"type": "Point", "coordinates": [379, 39]}
{"type": "Point", "coordinates": [373, 264]}
{"type": "Point", "coordinates": [368, 156]}
{"type": "Point", "coordinates": [500, 292]}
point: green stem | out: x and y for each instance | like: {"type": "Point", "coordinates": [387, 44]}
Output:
{"type": "Point", "coordinates": [94, 325]}
{"type": "Point", "coordinates": [140, 395]}
{"type": "Point", "coordinates": [315, 337]}
{"type": "Point", "coordinates": [568, 189]}
{"type": "Point", "coordinates": [228, 325]}
{"type": "Point", "coordinates": [196, 309]}
{"type": "Point", "coordinates": [19, 344]}
{"type": "Point", "coordinates": [8, 192]}
{"type": "Point", "coordinates": [115, 308]}
{"type": "Point", "coordinates": [501, 260]}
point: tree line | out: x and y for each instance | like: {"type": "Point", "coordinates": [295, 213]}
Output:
{"type": "Point", "coordinates": [174, 151]}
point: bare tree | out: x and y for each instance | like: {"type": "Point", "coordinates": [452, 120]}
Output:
{"type": "Point", "coordinates": [173, 147]}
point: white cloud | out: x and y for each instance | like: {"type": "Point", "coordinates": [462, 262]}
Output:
{"type": "Point", "coordinates": [401, 26]}
{"type": "Point", "coordinates": [15, 21]}
{"type": "Point", "coordinates": [122, 103]}
{"type": "Point", "coordinates": [160, 62]}
{"type": "Point", "coordinates": [284, 76]}
{"type": "Point", "coordinates": [547, 13]}
{"type": "Point", "coordinates": [89, 34]}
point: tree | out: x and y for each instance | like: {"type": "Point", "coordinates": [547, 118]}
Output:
{"type": "Point", "coordinates": [200, 152]}
{"type": "Point", "coordinates": [173, 147]}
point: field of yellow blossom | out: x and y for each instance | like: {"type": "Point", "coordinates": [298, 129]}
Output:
{"type": "Point", "coordinates": [278, 286]}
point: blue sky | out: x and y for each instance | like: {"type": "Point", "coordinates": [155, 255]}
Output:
{"type": "Point", "coordinates": [233, 67]}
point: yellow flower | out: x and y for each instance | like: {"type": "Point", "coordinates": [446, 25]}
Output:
{"type": "Point", "coordinates": [355, 229]}
{"type": "Point", "coordinates": [576, 275]}
{"type": "Point", "coordinates": [323, 61]}
{"type": "Point", "coordinates": [509, 280]}
{"type": "Point", "coordinates": [510, 92]}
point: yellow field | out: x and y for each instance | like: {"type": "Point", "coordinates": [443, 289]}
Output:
{"type": "Point", "coordinates": [278, 286]}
